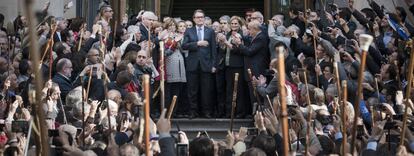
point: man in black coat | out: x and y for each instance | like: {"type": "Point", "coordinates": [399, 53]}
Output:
{"type": "Point", "coordinates": [201, 43]}
{"type": "Point", "coordinates": [62, 77]}
{"type": "Point", "coordinates": [256, 53]}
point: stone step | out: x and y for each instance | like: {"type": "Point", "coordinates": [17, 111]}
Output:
{"type": "Point", "coordinates": [216, 128]}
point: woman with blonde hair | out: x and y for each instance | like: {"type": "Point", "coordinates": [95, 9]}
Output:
{"type": "Point", "coordinates": [174, 63]}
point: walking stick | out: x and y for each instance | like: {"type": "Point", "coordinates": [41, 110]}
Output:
{"type": "Point", "coordinates": [147, 118]}
{"type": "Point", "coordinates": [42, 146]}
{"type": "Point", "coordinates": [172, 106]}
{"type": "Point", "coordinates": [49, 42]}
{"type": "Point", "coordinates": [338, 83]}
{"type": "Point", "coordinates": [249, 72]}
{"type": "Point", "coordinates": [282, 92]}
{"type": "Point", "coordinates": [162, 74]}
{"type": "Point", "coordinates": [89, 83]}
{"type": "Point", "coordinates": [408, 90]}
{"type": "Point", "coordinates": [63, 110]}
{"type": "Point", "coordinates": [81, 36]}
{"type": "Point", "coordinates": [83, 108]}
{"type": "Point", "coordinates": [29, 134]}
{"type": "Point", "coordinates": [365, 42]}
{"type": "Point", "coordinates": [307, 137]}
{"type": "Point", "coordinates": [234, 103]}
{"type": "Point", "coordinates": [270, 104]}
{"type": "Point", "coordinates": [343, 115]}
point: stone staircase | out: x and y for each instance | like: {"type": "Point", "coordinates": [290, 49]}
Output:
{"type": "Point", "coordinates": [214, 8]}
{"type": "Point", "coordinates": [216, 128]}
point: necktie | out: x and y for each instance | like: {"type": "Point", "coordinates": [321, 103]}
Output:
{"type": "Point", "coordinates": [199, 34]}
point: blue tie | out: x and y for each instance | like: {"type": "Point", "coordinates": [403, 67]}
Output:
{"type": "Point", "coordinates": [199, 34]}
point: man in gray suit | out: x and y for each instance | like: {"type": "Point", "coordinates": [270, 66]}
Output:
{"type": "Point", "coordinates": [201, 44]}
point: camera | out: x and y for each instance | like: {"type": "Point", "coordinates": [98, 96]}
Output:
{"type": "Point", "coordinates": [20, 126]}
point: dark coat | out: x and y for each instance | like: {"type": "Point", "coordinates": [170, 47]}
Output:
{"type": "Point", "coordinates": [65, 84]}
{"type": "Point", "coordinates": [203, 56]}
{"type": "Point", "coordinates": [256, 55]}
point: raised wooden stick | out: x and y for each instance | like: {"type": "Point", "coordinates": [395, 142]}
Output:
{"type": "Point", "coordinates": [234, 100]}
{"type": "Point", "coordinates": [249, 73]}
{"type": "Point", "coordinates": [338, 83]}
{"type": "Point", "coordinates": [49, 42]}
{"type": "Point", "coordinates": [147, 113]}
{"type": "Point", "coordinates": [162, 74]}
{"type": "Point", "coordinates": [89, 83]}
{"type": "Point", "coordinates": [172, 106]}
{"type": "Point", "coordinates": [343, 115]}
{"type": "Point", "coordinates": [271, 105]}
{"type": "Point", "coordinates": [365, 42]}
{"type": "Point", "coordinates": [307, 137]}
{"type": "Point", "coordinates": [81, 36]}
{"type": "Point", "coordinates": [408, 92]}
{"type": "Point", "coordinates": [282, 92]}
{"type": "Point", "coordinates": [41, 140]}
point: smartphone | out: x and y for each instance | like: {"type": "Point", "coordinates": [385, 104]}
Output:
{"type": "Point", "coordinates": [20, 126]}
{"type": "Point", "coordinates": [182, 149]}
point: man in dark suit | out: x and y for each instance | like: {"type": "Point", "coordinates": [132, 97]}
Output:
{"type": "Point", "coordinates": [201, 43]}
{"type": "Point", "coordinates": [59, 35]}
{"type": "Point", "coordinates": [62, 77]}
{"type": "Point", "coordinates": [256, 53]}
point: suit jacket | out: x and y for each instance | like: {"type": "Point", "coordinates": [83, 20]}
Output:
{"type": "Point", "coordinates": [203, 56]}
{"type": "Point", "coordinates": [256, 55]}
{"type": "Point", "coordinates": [64, 83]}
{"type": "Point", "coordinates": [236, 59]}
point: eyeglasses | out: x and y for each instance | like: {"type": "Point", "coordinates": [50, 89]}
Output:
{"type": "Point", "coordinates": [199, 17]}
{"type": "Point", "coordinates": [109, 11]}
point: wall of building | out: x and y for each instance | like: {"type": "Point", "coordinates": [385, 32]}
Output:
{"type": "Point", "coordinates": [11, 8]}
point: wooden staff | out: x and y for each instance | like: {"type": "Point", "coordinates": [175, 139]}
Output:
{"type": "Point", "coordinates": [338, 83]}
{"type": "Point", "coordinates": [147, 117]}
{"type": "Point", "coordinates": [343, 115]}
{"type": "Point", "coordinates": [108, 108]}
{"type": "Point", "coordinates": [316, 58]}
{"type": "Point", "coordinates": [89, 83]}
{"type": "Point", "coordinates": [172, 106]}
{"type": "Point", "coordinates": [114, 33]}
{"type": "Point", "coordinates": [81, 36]}
{"type": "Point", "coordinates": [282, 92]}
{"type": "Point", "coordinates": [408, 91]}
{"type": "Point", "coordinates": [49, 42]}
{"type": "Point", "coordinates": [365, 42]}
{"type": "Point", "coordinates": [162, 74]}
{"type": "Point", "coordinates": [234, 103]}
{"type": "Point", "coordinates": [41, 140]}
{"type": "Point", "coordinates": [83, 107]}
{"type": "Point", "coordinates": [270, 104]}
{"type": "Point", "coordinates": [309, 114]}
{"type": "Point", "coordinates": [249, 72]}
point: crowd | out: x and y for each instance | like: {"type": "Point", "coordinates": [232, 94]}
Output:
{"type": "Point", "coordinates": [92, 95]}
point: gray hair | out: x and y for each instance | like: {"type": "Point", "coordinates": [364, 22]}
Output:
{"type": "Point", "coordinates": [225, 18]}
{"type": "Point", "coordinates": [128, 150]}
{"type": "Point", "coordinates": [149, 14]}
